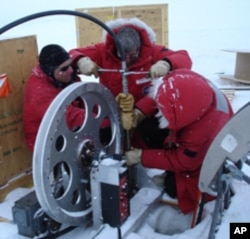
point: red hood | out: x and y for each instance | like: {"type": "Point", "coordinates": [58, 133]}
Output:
{"type": "Point", "coordinates": [183, 98]}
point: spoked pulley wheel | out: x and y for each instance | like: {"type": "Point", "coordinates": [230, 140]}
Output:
{"type": "Point", "coordinates": [62, 154]}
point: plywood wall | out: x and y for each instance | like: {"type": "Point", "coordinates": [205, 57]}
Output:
{"type": "Point", "coordinates": [17, 57]}
{"type": "Point", "coordinates": [156, 16]}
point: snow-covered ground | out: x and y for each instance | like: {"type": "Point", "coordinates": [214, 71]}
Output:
{"type": "Point", "coordinates": [204, 28]}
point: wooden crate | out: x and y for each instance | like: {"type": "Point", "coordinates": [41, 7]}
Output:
{"type": "Point", "coordinates": [17, 57]}
{"type": "Point", "coordinates": [156, 16]}
{"type": "Point", "coordinates": [242, 69]}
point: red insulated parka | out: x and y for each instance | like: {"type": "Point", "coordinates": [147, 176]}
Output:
{"type": "Point", "coordinates": [104, 55]}
{"type": "Point", "coordinates": [39, 93]}
{"type": "Point", "coordinates": [196, 111]}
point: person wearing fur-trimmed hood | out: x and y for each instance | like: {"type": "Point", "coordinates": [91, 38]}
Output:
{"type": "Point", "coordinates": [142, 54]}
{"type": "Point", "coordinates": [138, 41]}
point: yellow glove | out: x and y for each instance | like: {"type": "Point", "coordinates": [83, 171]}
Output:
{"type": "Point", "coordinates": [125, 102]}
{"type": "Point", "coordinates": [126, 105]}
{"type": "Point", "coordinates": [160, 68]}
{"type": "Point", "coordinates": [87, 67]}
{"type": "Point", "coordinates": [131, 119]}
{"type": "Point", "coordinates": [127, 120]}
{"type": "Point", "coordinates": [133, 156]}
{"type": "Point", "coordinates": [138, 117]}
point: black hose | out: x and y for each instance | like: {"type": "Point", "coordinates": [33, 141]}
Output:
{"type": "Point", "coordinates": [82, 15]}
{"type": "Point", "coordinates": [65, 12]}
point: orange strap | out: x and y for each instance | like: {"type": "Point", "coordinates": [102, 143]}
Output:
{"type": "Point", "coordinates": [4, 85]}
{"type": "Point", "coordinates": [198, 210]}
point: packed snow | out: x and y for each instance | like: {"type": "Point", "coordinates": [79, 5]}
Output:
{"type": "Point", "coordinates": [205, 29]}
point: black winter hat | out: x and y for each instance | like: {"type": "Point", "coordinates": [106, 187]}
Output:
{"type": "Point", "coordinates": [52, 56]}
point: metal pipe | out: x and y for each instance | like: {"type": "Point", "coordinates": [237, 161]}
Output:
{"type": "Point", "coordinates": [65, 12]}
{"type": "Point", "coordinates": [122, 71]}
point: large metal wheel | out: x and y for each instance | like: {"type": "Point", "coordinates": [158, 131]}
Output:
{"type": "Point", "coordinates": [62, 156]}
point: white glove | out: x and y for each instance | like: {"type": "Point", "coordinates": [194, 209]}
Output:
{"type": "Point", "coordinates": [133, 156]}
{"type": "Point", "coordinates": [87, 66]}
{"type": "Point", "coordinates": [160, 68]}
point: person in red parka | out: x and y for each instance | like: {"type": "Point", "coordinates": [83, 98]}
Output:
{"type": "Point", "coordinates": [142, 54]}
{"type": "Point", "coordinates": [48, 78]}
{"type": "Point", "coordinates": [194, 111]}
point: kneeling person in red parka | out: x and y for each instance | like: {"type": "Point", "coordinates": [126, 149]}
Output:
{"type": "Point", "coordinates": [194, 111]}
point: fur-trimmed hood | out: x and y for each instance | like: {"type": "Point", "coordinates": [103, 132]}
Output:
{"type": "Point", "coordinates": [147, 35]}
{"type": "Point", "coordinates": [116, 24]}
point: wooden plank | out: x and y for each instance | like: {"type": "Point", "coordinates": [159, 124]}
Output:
{"type": "Point", "coordinates": [229, 93]}
{"type": "Point", "coordinates": [156, 16]}
{"type": "Point", "coordinates": [89, 32]}
{"type": "Point", "coordinates": [237, 50]}
{"type": "Point", "coordinates": [17, 57]}
{"type": "Point", "coordinates": [24, 180]}
{"type": "Point", "coordinates": [153, 15]}
{"type": "Point", "coordinates": [244, 83]}
{"type": "Point", "coordinates": [242, 69]}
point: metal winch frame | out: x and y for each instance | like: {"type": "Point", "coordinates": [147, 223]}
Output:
{"type": "Point", "coordinates": [66, 178]}
{"type": "Point", "coordinates": [224, 162]}
{"type": "Point", "coordinates": [62, 157]}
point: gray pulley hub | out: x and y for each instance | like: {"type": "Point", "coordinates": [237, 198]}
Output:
{"type": "Point", "coordinates": [62, 156]}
